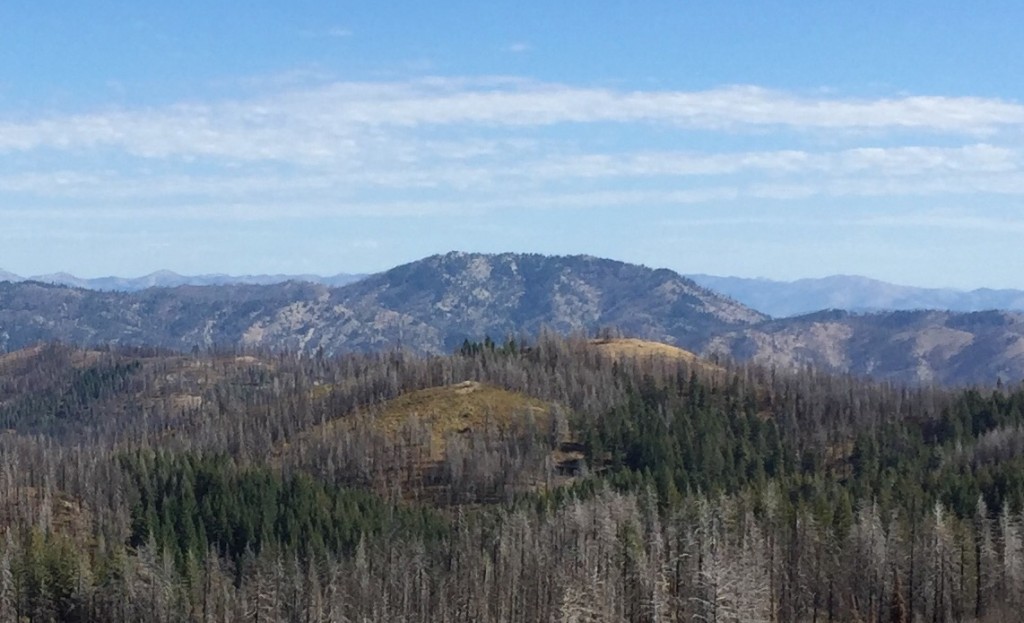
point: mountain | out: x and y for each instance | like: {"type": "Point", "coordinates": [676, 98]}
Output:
{"type": "Point", "coordinates": [433, 305]}
{"type": "Point", "coordinates": [775, 298]}
{"type": "Point", "coordinates": [429, 306]}
{"type": "Point", "coordinates": [169, 279]}
{"type": "Point", "coordinates": [910, 346]}
{"type": "Point", "coordinates": [470, 295]}
{"type": "Point", "coordinates": [176, 318]}
{"type": "Point", "coordinates": [853, 293]}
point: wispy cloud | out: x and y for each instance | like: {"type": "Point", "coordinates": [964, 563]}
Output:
{"type": "Point", "coordinates": [896, 161]}
{"type": "Point", "coordinates": [314, 122]}
{"type": "Point", "coordinates": [450, 145]}
{"type": "Point", "coordinates": [502, 166]}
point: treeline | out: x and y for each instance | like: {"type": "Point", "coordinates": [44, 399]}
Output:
{"type": "Point", "coordinates": [138, 485]}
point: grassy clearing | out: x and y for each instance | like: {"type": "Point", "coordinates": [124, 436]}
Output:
{"type": "Point", "coordinates": [447, 410]}
{"type": "Point", "coordinates": [458, 409]}
{"type": "Point", "coordinates": [632, 347]}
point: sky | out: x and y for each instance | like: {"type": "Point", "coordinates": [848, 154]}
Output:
{"type": "Point", "coordinates": [759, 139]}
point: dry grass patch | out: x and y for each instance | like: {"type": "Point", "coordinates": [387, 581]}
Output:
{"type": "Point", "coordinates": [11, 359]}
{"type": "Point", "coordinates": [19, 361]}
{"type": "Point", "coordinates": [632, 347]}
{"type": "Point", "coordinates": [456, 409]}
{"type": "Point", "coordinates": [417, 429]}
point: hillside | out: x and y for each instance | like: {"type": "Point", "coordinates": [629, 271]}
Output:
{"type": "Point", "coordinates": [497, 483]}
{"type": "Point", "coordinates": [910, 346]}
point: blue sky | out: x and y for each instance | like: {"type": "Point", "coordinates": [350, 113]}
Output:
{"type": "Point", "coordinates": [775, 139]}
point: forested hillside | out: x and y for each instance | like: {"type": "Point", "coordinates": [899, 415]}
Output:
{"type": "Point", "coordinates": [554, 480]}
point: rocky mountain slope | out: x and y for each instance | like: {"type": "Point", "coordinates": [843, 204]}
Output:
{"type": "Point", "coordinates": [470, 295]}
{"type": "Point", "coordinates": [910, 346]}
{"type": "Point", "coordinates": [432, 305]}
{"type": "Point", "coordinates": [775, 298]}
{"type": "Point", "coordinates": [853, 293]}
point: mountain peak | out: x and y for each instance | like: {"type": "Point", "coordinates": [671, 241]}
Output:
{"type": "Point", "coordinates": [508, 293]}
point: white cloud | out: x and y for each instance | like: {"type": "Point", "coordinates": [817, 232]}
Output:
{"type": "Point", "coordinates": [438, 177]}
{"type": "Point", "coordinates": [459, 145]}
{"type": "Point", "coordinates": [316, 123]}
{"type": "Point", "coordinates": [892, 161]}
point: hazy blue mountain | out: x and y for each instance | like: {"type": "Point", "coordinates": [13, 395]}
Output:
{"type": "Point", "coordinates": [169, 279]}
{"type": "Point", "coordinates": [6, 276]}
{"type": "Point", "coordinates": [853, 293]}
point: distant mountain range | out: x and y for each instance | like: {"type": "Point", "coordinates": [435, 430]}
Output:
{"type": "Point", "coordinates": [852, 293]}
{"type": "Point", "coordinates": [432, 305]}
{"type": "Point", "coordinates": [169, 279]}
{"type": "Point", "coordinates": [778, 299]}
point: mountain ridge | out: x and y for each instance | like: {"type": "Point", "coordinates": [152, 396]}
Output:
{"type": "Point", "coordinates": [855, 293]}
{"type": "Point", "coordinates": [920, 346]}
{"type": "Point", "coordinates": [434, 304]}
{"type": "Point", "coordinates": [429, 305]}
{"type": "Point", "coordinates": [169, 279]}
{"type": "Point", "coordinates": [777, 298]}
